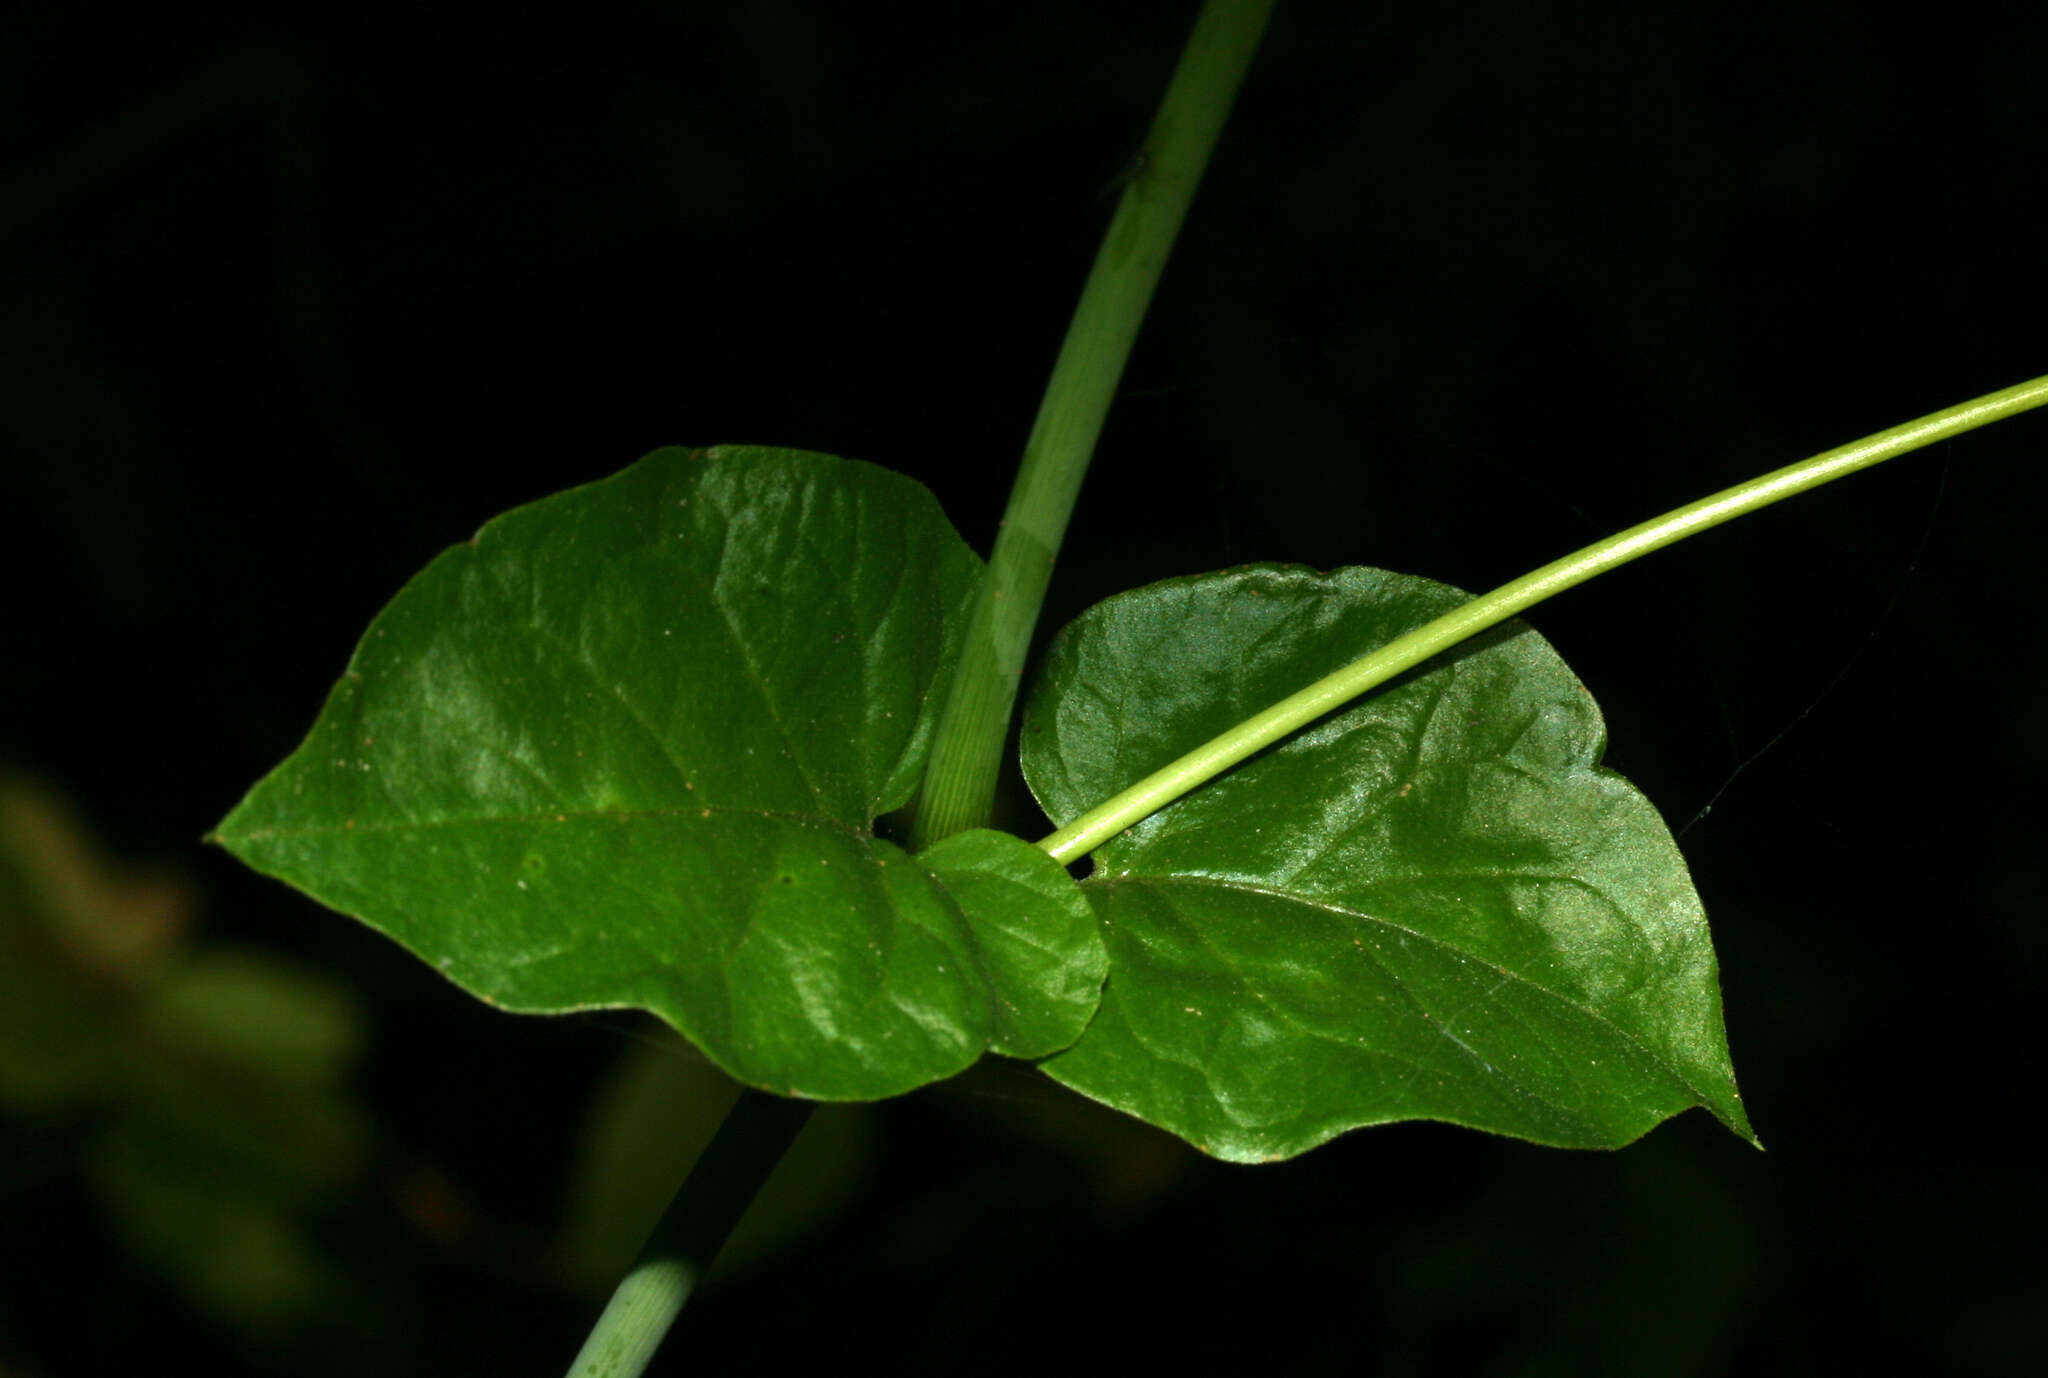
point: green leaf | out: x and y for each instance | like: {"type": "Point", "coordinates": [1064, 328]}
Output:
{"type": "Point", "coordinates": [626, 747]}
{"type": "Point", "coordinates": [1433, 904]}
{"type": "Point", "coordinates": [1037, 938]}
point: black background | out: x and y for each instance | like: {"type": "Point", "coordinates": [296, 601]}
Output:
{"type": "Point", "coordinates": [287, 306]}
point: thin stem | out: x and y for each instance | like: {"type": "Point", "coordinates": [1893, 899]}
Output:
{"type": "Point", "coordinates": [1163, 786]}
{"type": "Point", "coordinates": [960, 777]}
{"type": "Point", "coordinates": [689, 1234]}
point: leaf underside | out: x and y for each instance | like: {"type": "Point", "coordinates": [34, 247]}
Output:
{"type": "Point", "coordinates": [1433, 904]}
{"type": "Point", "coordinates": [626, 747]}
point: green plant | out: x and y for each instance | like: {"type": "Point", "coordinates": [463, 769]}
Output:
{"type": "Point", "coordinates": [638, 744]}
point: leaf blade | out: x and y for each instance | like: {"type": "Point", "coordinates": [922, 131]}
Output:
{"type": "Point", "coordinates": [1460, 806]}
{"type": "Point", "coordinates": [566, 792]}
{"type": "Point", "coordinates": [1037, 937]}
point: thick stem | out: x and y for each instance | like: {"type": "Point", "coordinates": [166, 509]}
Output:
{"type": "Point", "coordinates": [1205, 762]}
{"type": "Point", "coordinates": [960, 778]}
{"type": "Point", "coordinates": [689, 1234]}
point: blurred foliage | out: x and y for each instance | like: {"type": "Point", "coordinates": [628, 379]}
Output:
{"type": "Point", "coordinates": [206, 1083]}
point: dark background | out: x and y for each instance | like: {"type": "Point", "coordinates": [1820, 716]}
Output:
{"type": "Point", "coordinates": [287, 306]}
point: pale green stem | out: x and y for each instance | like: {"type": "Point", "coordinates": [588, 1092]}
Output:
{"type": "Point", "coordinates": [960, 776]}
{"type": "Point", "coordinates": [1169, 783]}
{"type": "Point", "coordinates": [728, 1174]}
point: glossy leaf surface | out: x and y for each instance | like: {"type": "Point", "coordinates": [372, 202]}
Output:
{"type": "Point", "coordinates": [1432, 904]}
{"type": "Point", "coordinates": [626, 748]}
